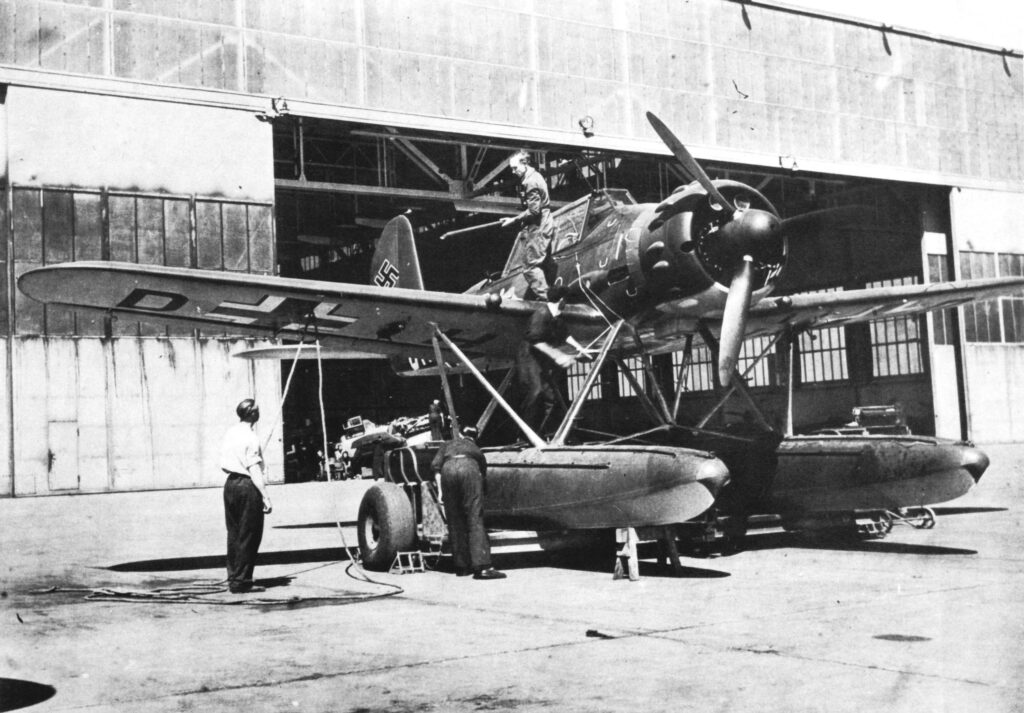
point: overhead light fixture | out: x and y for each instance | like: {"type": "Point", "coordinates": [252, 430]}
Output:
{"type": "Point", "coordinates": [278, 108]}
{"type": "Point", "coordinates": [587, 125]}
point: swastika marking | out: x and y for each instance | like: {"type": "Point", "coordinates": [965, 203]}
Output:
{"type": "Point", "coordinates": [387, 275]}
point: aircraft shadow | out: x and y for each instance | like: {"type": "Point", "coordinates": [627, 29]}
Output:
{"type": "Point", "coordinates": [315, 525]}
{"type": "Point", "coordinates": [791, 540]}
{"type": "Point", "coordinates": [16, 693]}
{"type": "Point", "coordinates": [176, 564]}
{"type": "Point", "coordinates": [601, 562]}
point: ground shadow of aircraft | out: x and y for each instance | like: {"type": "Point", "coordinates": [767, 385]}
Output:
{"type": "Point", "coordinates": [807, 541]}
{"type": "Point", "coordinates": [599, 560]}
{"type": "Point", "coordinates": [16, 693]}
{"type": "Point", "coordinates": [179, 564]}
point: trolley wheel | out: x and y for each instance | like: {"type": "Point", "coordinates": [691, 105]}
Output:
{"type": "Point", "coordinates": [386, 525]}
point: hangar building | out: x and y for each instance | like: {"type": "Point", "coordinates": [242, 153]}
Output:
{"type": "Point", "coordinates": [276, 138]}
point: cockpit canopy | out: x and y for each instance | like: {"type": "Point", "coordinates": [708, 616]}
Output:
{"type": "Point", "coordinates": [575, 221]}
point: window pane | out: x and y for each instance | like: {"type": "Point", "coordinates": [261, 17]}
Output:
{"type": "Point", "coordinates": [122, 228]}
{"type": "Point", "coordinates": [261, 238]}
{"type": "Point", "coordinates": [150, 230]}
{"type": "Point", "coordinates": [1012, 307]}
{"type": "Point", "coordinates": [700, 374]}
{"type": "Point", "coordinates": [236, 237]}
{"type": "Point", "coordinates": [896, 341]}
{"type": "Point", "coordinates": [58, 217]}
{"type": "Point", "coordinates": [28, 225]}
{"type": "Point", "coordinates": [208, 236]}
{"type": "Point", "coordinates": [177, 227]}
{"type": "Point", "coordinates": [981, 319]}
{"type": "Point", "coordinates": [823, 353]}
{"type": "Point", "coordinates": [88, 226]}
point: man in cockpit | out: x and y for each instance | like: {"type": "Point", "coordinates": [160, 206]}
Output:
{"type": "Point", "coordinates": [538, 229]}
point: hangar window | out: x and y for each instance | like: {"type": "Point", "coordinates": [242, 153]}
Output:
{"type": "Point", "coordinates": [896, 341]}
{"type": "Point", "coordinates": [700, 376]}
{"type": "Point", "coordinates": [1000, 320]}
{"type": "Point", "coordinates": [635, 366]}
{"type": "Point", "coordinates": [942, 321]}
{"type": "Point", "coordinates": [576, 376]}
{"type": "Point", "coordinates": [1012, 307]}
{"type": "Point", "coordinates": [981, 319]}
{"type": "Point", "coordinates": [56, 225]}
{"type": "Point", "coordinates": [761, 375]}
{"type": "Point", "coordinates": [823, 353]}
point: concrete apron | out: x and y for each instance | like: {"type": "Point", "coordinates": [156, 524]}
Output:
{"type": "Point", "coordinates": [924, 620]}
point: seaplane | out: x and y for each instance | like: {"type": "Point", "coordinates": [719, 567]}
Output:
{"type": "Point", "coordinates": [641, 279]}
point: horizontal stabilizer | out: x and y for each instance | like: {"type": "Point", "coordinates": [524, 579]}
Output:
{"type": "Point", "coordinates": [308, 351]}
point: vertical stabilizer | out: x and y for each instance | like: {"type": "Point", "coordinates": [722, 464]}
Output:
{"type": "Point", "coordinates": [395, 262]}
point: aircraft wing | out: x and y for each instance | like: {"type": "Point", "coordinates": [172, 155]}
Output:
{"type": "Point", "coordinates": [771, 315]}
{"type": "Point", "coordinates": [361, 318]}
{"type": "Point", "coordinates": [810, 310]}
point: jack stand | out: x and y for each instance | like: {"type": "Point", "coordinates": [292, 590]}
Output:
{"type": "Point", "coordinates": [408, 563]}
{"type": "Point", "coordinates": [628, 538]}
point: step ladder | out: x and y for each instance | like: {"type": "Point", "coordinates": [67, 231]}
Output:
{"type": "Point", "coordinates": [408, 563]}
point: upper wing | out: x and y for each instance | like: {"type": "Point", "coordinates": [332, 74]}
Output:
{"type": "Point", "coordinates": [362, 318]}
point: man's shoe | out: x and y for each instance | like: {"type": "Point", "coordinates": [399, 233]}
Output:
{"type": "Point", "coordinates": [489, 573]}
{"type": "Point", "coordinates": [247, 590]}
{"type": "Point", "coordinates": [462, 572]}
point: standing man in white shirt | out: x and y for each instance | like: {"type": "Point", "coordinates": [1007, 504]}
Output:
{"type": "Point", "coordinates": [245, 496]}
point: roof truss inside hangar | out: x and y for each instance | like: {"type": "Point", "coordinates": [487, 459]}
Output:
{"type": "Point", "coordinates": [339, 182]}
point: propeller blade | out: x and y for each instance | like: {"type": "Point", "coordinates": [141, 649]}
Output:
{"type": "Point", "coordinates": [734, 320]}
{"type": "Point", "coordinates": [688, 162]}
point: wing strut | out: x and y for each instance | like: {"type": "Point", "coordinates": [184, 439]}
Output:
{"type": "Point", "coordinates": [444, 380]}
{"type": "Point", "coordinates": [788, 352]}
{"type": "Point", "coordinates": [738, 381]}
{"type": "Point", "coordinates": [652, 411]}
{"type": "Point", "coordinates": [485, 417]}
{"type": "Point", "coordinates": [588, 384]}
{"type": "Point", "coordinates": [684, 370]}
{"type": "Point", "coordinates": [531, 435]}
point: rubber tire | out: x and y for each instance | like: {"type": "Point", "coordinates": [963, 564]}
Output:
{"type": "Point", "coordinates": [386, 525]}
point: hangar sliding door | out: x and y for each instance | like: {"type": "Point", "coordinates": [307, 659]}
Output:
{"type": "Point", "coordinates": [990, 243]}
{"type": "Point", "coordinates": [101, 404]}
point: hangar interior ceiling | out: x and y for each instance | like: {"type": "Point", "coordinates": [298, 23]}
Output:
{"type": "Point", "coordinates": [338, 183]}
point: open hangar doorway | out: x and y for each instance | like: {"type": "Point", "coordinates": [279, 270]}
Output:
{"type": "Point", "coordinates": [338, 183]}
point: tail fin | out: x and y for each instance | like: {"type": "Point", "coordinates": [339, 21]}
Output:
{"type": "Point", "coordinates": [395, 262]}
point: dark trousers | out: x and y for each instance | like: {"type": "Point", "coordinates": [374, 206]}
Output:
{"type": "Point", "coordinates": [534, 381]}
{"type": "Point", "coordinates": [462, 486]}
{"type": "Point", "coordinates": [243, 515]}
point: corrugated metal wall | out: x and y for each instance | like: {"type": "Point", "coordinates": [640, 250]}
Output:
{"type": "Point", "coordinates": [742, 78]}
{"type": "Point", "coordinates": [97, 415]}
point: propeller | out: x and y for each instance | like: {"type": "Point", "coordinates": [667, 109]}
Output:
{"type": "Point", "coordinates": [747, 235]}
{"type": "Point", "coordinates": [687, 161]}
